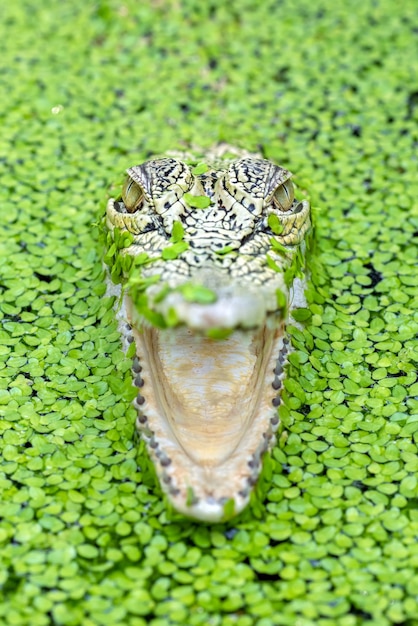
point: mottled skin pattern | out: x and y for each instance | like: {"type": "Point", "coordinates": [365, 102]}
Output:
{"type": "Point", "coordinates": [242, 196]}
{"type": "Point", "coordinates": [239, 244]}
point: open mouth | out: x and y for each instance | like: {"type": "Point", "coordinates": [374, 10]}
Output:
{"type": "Point", "coordinates": [207, 409]}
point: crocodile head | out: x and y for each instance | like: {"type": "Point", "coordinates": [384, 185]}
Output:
{"type": "Point", "coordinates": [210, 253]}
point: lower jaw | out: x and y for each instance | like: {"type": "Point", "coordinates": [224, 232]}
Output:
{"type": "Point", "coordinates": [207, 410]}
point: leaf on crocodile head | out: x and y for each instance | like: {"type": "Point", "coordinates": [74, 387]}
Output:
{"type": "Point", "coordinates": [219, 333]}
{"type": "Point", "coordinates": [154, 318]}
{"type": "Point", "coordinates": [225, 250]}
{"type": "Point", "coordinates": [177, 232]}
{"type": "Point", "coordinates": [197, 202]}
{"type": "Point", "coordinates": [171, 318]}
{"type": "Point", "coordinates": [138, 283]}
{"type": "Point", "coordinates": [197, 293]}
{"type": "Point", "coordinates": [200, 168]}
{"type": "Point", "coordinates": [272, 264]}
{"type": "Point", "coordinates": [274, 224]}
{"type": "Point", "coordinates": [143, 259]}
{"type": "Point", "coordinates": [173, 252]}
{"type": "Point", "coordinates": [281, 301]}
{"type": "Point", "coordinates": [122, 239]}
{"type": "Point", "coordinates": [278, 247]}
{"type": "Point", "coordinates": [126, 239]}
{"type": "Point", "coordinates": [162, 294]}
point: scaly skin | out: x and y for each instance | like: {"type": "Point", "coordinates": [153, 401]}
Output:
{"type": "Point", "coordinates": [211, 254]}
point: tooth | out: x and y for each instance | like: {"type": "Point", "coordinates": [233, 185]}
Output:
{"type": "Point", "coordinates": [140, 399]}
{"type": "Point", "coordinates": [136, 367]}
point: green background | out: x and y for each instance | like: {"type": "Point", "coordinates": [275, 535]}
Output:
{"type": "Point", "coordinates": [326, 89]}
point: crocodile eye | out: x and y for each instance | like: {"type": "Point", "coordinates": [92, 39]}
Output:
{"type": "Point", "coordinates": [284, 195]}
{"type": "Point", "coordinates": [132, 195]}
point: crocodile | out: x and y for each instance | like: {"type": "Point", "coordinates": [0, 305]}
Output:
{"type": "Point", "coordinates": [207, 255]}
